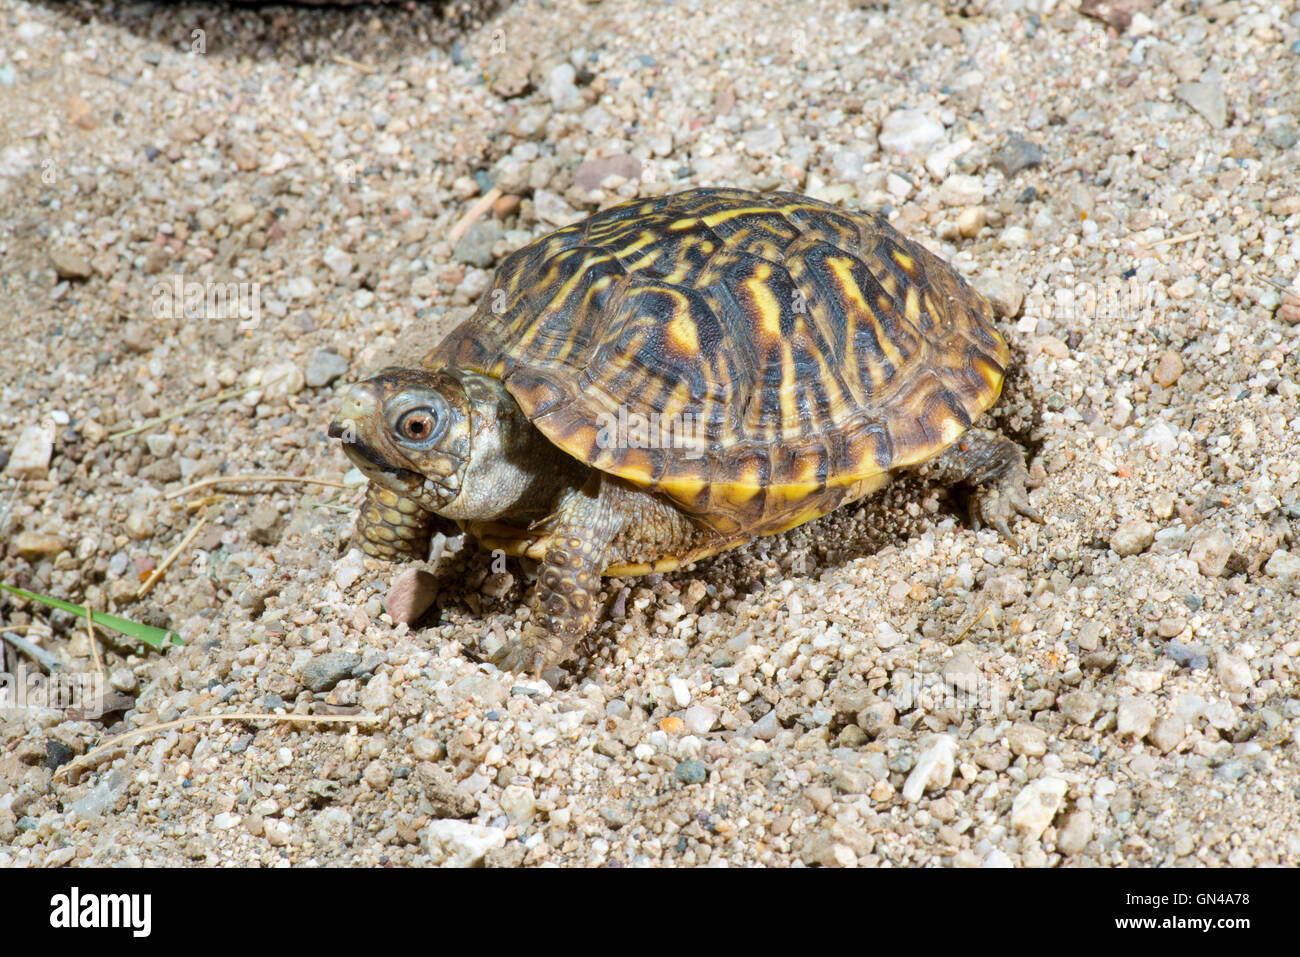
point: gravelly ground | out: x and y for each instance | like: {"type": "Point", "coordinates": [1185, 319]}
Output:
{"type": "Point", "coordinates": [884, 686]}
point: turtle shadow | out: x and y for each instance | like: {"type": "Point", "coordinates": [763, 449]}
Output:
{"type": "Point", "coordinates": [301, 34]}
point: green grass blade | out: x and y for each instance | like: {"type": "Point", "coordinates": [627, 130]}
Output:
{"type": "Point", "coordinates": [157, 637]}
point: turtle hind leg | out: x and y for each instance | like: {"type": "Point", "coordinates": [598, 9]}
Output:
{"type": "Point", "coordinates": [564, 607]}
{"type": "Point", "coordinates": [392, 527]}
{"type": "Point", "coordinates": [996, 466]}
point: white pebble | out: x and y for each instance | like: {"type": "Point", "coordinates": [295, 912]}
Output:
{"type": "Point", "coordinates": [31, 455]}
{"type": "Point", "coordinates": [277, 832]}
{"type": "Point", "coordinates": [459, 844]}
{"type": "Point", "coordinates": [349, 568]}
{"type": "Point", "coordinates": [700, 719]}
{"type": "Point", "coordinates": [933, 770]}
{"type": "Point", "coordinates": [1234, 674]}
{"type": "Point", "coordinates": [681, 693]}
{"type": "Point", "coordinates": [1036, 805]}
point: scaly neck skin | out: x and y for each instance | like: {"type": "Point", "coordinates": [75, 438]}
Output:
{"type": "Point", "coordinates": [513, 470]}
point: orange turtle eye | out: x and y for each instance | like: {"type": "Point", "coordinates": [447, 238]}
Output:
{"type": "Point", "coordinates": [417, 426]}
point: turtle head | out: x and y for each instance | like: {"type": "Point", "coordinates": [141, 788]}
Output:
{"type": "Point", "coordinates": [454, 442]}
{"type": "Point", "coordinates": [408, 430]}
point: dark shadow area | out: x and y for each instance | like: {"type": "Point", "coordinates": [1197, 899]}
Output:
{"type": "Point", "coordinates": [371, 33]}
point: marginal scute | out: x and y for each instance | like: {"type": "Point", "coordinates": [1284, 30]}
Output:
{"type": "Point", "coordinates": [797, 351]}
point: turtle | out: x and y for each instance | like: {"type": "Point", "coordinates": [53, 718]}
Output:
{"type": "Point", "coordinates": [675, 376]}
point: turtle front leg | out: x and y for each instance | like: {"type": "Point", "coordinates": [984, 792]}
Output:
{"type": "Point", "coordinates": [564, 607]}
{"type": "Point", "coordinates": [991, 461]}
{"type": "Point", "coordinates": [392, 527]}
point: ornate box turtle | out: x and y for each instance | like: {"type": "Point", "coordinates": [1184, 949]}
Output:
{"type": "Point", "coordinates": [676, 376]}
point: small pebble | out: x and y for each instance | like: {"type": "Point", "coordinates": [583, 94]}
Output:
{"type": "Point", "coordinates": [1234, 674]}
{"type": "Point", "coordinates": [461, 844]}
{"type": "Point", "coordinates": [35, 546]}
{"type": "Point", "coordinates": [1168, 368]}
{"type": "Point", "coordinates": [933, 769]}
{"type": "Point", "coordinates": [70, 265]}
{"type": "Point", "coordinates": [1134, 717]}
{"type": "Point", "coordinates": [410, 594]}
{"type": "Point", "coordinates": [325, 671]}
{"type": "Point", "coordinates": [30, 457]}
{"type": "Point", "coordinates": [1036, 805]}
{"type": "Point", "coordinates": [1017, 153]}
{"type": "Point", "coordinates": [690, 772]}
{"type": "Point", "coordinates": [1133, 537]}
{"type": "Point", "coordinates": [905, 132]}
{"type": "Point", "coordinates": [324, 367]}
{"type": "Point", "coordinates": [1211, 552]}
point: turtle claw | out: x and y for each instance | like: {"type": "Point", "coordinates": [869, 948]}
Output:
{"type": "Point", "coordinates": [532, 652]}
{"type": "Point", "coordinates": [1005, 498]}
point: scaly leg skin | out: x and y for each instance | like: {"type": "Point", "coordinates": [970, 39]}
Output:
{"type": "Point", "coordinates": [564, 607]}
{"type": "Point", "coordinates": [996, 465]}
{"type": "Point", "coordinates": [393, 528]}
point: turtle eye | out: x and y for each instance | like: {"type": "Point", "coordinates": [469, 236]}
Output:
{"type": "Point", "coordinates": [418, 426]}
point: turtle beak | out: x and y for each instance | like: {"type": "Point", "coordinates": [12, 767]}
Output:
{"type": "Point", "coordinates": [359, 405]}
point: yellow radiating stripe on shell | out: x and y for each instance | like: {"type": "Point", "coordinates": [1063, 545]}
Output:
{"type": "Point", "coordinates": [769, 310]}
{"type": "Point", "coordinates": [912, 306]}
{"type": "Point", "coordinates": [849, 289]}
{"type": "Point", "coordinates": [684, 265]}
{"type": "Point", "coordinates": [681, 328]}
{"type": "Point", "coordinates": [769, 317]}
{"type": "Point", "coordinates": [596, 287]}
{"type": "Point", "coordinates": [746, 484]}
{"type": "Point", "coordinates": [722, 215]}
{"type": "Point", "coordinates": [533, 324]}
{"type": "Point", "coordinates": [649, 259]}
{"type": "Point", "coordinates": [644, 238]}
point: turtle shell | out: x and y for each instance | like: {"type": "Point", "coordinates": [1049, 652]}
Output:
{"type": "Point", "coordinates": [755, 358]}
